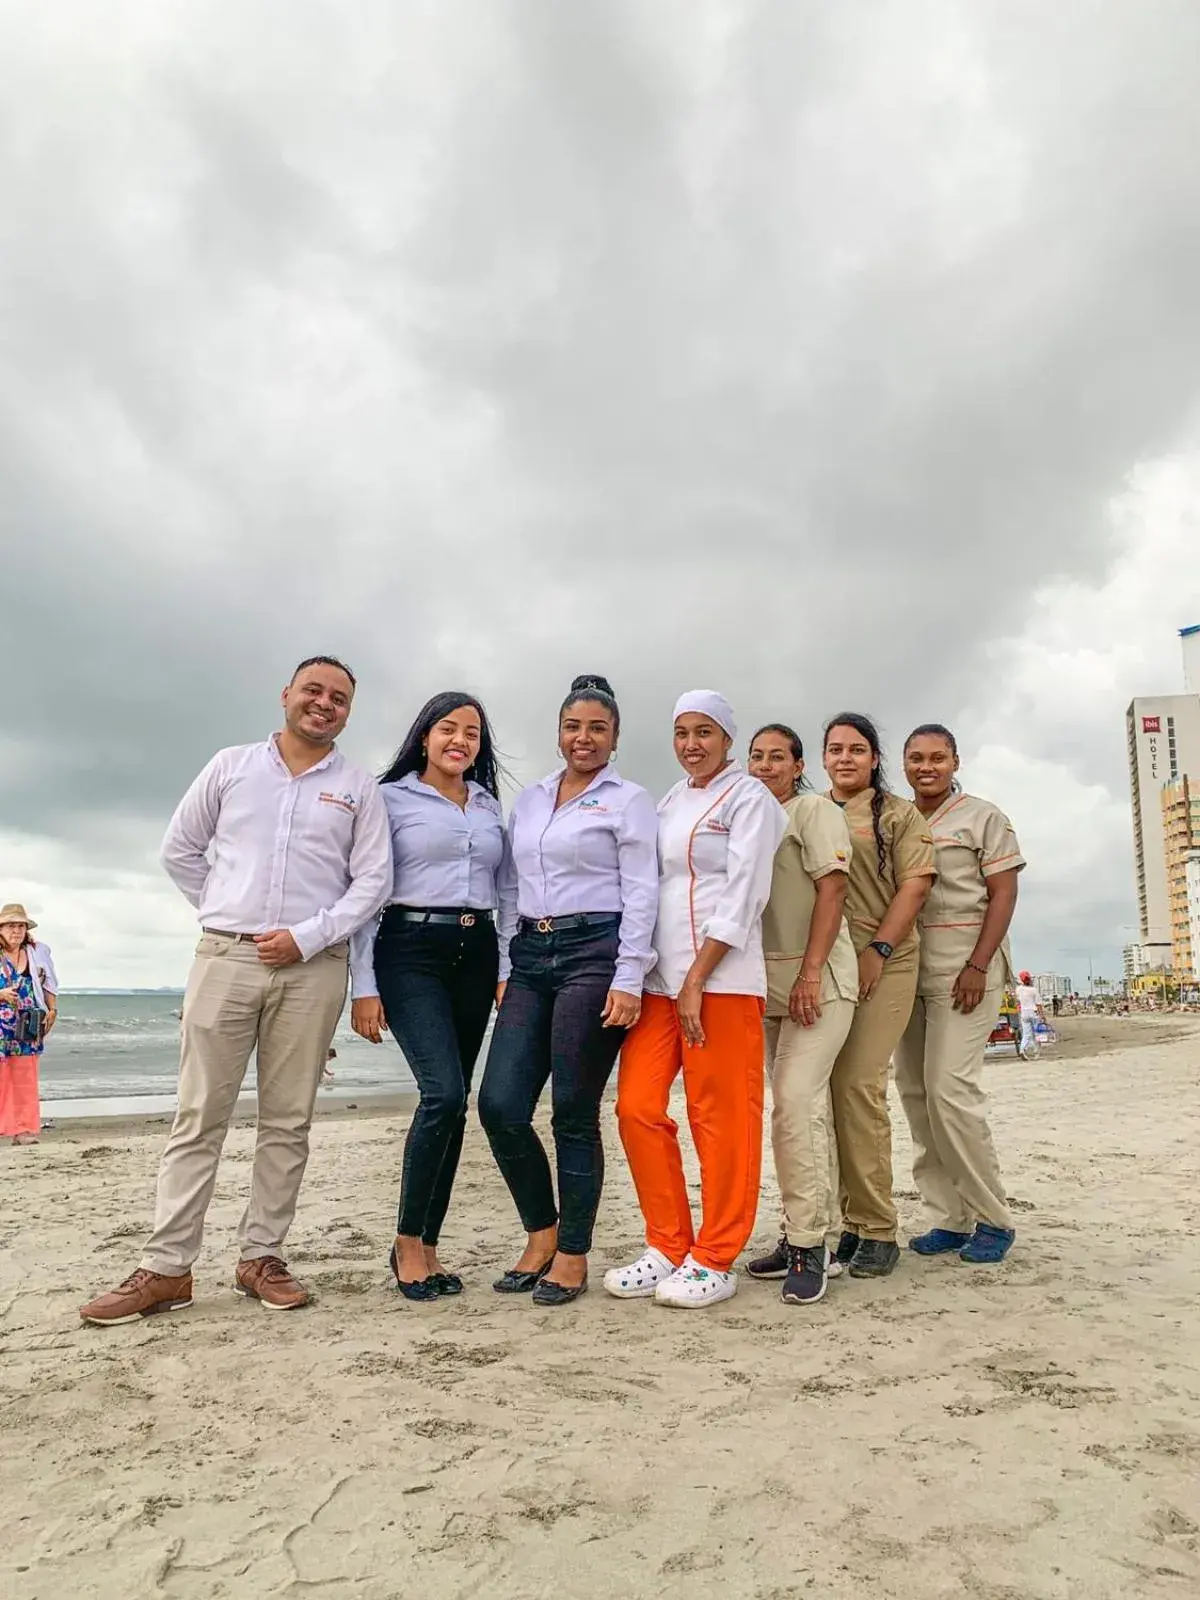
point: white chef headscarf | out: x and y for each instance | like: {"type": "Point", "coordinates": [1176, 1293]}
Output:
{"type": "Point", "coordinates": [708, 703]}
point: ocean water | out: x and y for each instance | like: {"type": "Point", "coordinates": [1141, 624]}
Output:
{"type": "Point", "coordinates": [114, 1046]}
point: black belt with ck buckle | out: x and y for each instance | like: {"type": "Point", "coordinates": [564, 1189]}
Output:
{"type": "Point", "coordinates": [579, 919]}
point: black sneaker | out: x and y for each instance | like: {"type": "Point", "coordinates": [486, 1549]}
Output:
{"type": "Point", "coordinates": [875, 1258]}
{"type": "Point", "coordinates": [774, 1265]}
{"type": "Point", "coordinates": [847, 1245]}
{"type": "Point", "coordinates": [808, 1275]}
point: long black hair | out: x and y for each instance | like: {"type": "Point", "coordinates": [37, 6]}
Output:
{"type": "Point", "coordinates": [591, 686]}
{"type": "Point", "coordinates": [795, 745]}
{"type": "Point", "coordinates": [937, 730]}
{"type": "Point", "coordinates": [412, 754]}
{"type": "Point", "coordinates": [864, 726]}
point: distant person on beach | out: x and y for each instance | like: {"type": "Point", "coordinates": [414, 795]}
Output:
{"type": "Point", "coordinates": [430, 969]}
{"type": "Point", "coordinates": [283, 849]}
{"type": "Point", "coordinates": [28, 1012]}
{"type": "Point", "coordinates": [812, 990]}
{"type": "Point", "coordinates": [1029, 1010]}
{"type": "Point", "coordinates": [583, 848]}
{"type": "Point", "coordinates": [891, 873]}
{"type": "Point", "coordinates": [718, 830]}
{"type": "Point", "coordinates": [327, 1070]}
{"type": "Point", "coordinates": [965, 969]}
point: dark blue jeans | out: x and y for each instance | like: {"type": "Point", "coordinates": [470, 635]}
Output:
{"type": "Point", "coordinates": [437, 982]}
{"type": "Point", "coordinates": [549, 1028]}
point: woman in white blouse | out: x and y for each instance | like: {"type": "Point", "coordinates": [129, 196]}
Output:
{"type": "Point", "coordinates": [583, 849]}
{"type": "Point", "coordinates": [718, 830]}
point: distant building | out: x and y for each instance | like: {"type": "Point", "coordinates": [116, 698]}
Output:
{"type": "Point", "coordinates": [1181, 836]}
{"type": "Point", "coordinates": [1050, 986]}
{"type": "Point", "coordinates": [1191, 878]}
{"type": "Point", "coordinates": [1141, 959]}
{"type": "Point", "coordinates": [1162, 734]}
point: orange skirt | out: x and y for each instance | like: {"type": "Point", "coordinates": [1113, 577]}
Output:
{"type": "Point", "coordinates": [20, 1111]}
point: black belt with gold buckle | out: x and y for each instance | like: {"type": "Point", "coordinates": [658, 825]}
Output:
{"type": "Point", "coordinates": [464, 918]}
{"type": "Point", "coordinates": [578, 919]}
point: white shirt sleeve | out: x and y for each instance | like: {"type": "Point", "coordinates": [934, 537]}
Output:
{"type": "Point", "coordinates": [46, 963]}
{"type": "Point", "coordinates": [370, 881]}
{"type": "Point", "coordinates": [362, 961]}
{"type": "Point", "coordinates": [756, 825]}
{"type": "Point", "coordinates": [637, 859]}
{"type": "Point", "coordinates": [190, 831]}
{"type": "Point", "coordinates": [506, 896]}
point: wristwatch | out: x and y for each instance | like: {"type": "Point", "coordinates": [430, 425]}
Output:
{"type": "Point", "coordinates": [884, 948]}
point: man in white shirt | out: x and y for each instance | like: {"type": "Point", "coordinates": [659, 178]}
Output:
{"type": "Point", "coordinates": [1029, 1007]}
{"type": "Point", "coordinates": [284, 849]}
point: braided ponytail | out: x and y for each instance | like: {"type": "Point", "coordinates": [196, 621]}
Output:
{"type": "Point", "coordinates": [866, 728]}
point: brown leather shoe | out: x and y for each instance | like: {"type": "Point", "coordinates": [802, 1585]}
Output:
{"type": "Point", "coordinates": [144, 1294]}
{"type": "Point", "coordinates": [267, 1278]}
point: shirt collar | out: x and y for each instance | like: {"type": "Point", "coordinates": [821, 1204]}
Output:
{"type": "Point", "coordinates": [272, 749]}
{"type": "Point", "coordinates": [608, 774]}
{"type": "Point", "coordinates": [412, 780]}
{"type": "Point", "coordinates": [735, 769]}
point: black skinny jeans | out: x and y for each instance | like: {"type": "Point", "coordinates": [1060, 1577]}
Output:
{"type": "Point", "coordinates": [437, 982]}
{"type": "Point", "coordinates": [549, 1027]}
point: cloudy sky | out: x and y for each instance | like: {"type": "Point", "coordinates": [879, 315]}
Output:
{"type": "Point", "coordinates": [836, 356]}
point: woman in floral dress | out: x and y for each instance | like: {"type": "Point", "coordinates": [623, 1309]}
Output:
{"type": "Point", "coordinates": [27, 981]}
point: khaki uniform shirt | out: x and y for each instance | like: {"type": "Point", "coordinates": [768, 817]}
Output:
{"type": "Point", "coordinates": [972, 839]}
{"type": "Point", "coordinates": [907, 851]}
{"type": "Point", "coordinates": [815, 843]}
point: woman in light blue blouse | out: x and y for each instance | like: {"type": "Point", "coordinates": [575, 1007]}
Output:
{"type": "Point", "coordinates": [430, 970]}
{"type": "Point", "coordinates": [584, 846]}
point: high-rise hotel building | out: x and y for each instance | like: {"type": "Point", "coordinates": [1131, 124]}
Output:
{"type": "Point", "coordinates": [1163, 737]}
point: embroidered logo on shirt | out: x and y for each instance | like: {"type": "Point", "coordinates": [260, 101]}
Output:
{"type": "Point", "coordinates": [592, 805]}
{"type": "Point", "coordinates": [713, 826]}
{"type": "Point", "coordinates": [346, 802]}
{"type": "Point", "coordinates": [839, 855]}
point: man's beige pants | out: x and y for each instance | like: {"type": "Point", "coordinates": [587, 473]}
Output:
{"type": "Point", "coordinates": [858, 1087]}
{"type": "Point", "coordinates": [939, 1077]}
{"type": "Point", "coordinates": [799, 1062]}
{"type": "Point", "coordinates": [233, 1004]}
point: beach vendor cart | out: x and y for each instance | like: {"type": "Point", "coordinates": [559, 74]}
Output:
{"type": "Point", "coordinates": [1008, 1027]}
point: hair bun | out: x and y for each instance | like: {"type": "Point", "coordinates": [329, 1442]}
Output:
{"type": "Point", "coordinates": [591, 680]}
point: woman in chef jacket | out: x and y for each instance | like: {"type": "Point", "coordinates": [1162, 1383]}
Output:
{"type": "Point", "coordinates": [964, 969]}
{"type": "Point", "coordinates": [718, 829]}
{"type": "Point", "coordinates": [583, 846]}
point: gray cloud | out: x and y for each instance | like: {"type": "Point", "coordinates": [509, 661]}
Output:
{"type": "Point", "coordinates": [757, 346]}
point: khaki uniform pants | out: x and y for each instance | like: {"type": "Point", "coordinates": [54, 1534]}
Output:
{"type": "Point", "coordinates": [858, 1088]}
{"type": "Point", "coordinates": [939, 1077]}
{"type": "Point", "coordinates": [234, 1003]}
{"type": "Point", "coordinates": [799, 1064]}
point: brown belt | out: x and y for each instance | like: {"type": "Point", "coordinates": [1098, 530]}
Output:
{"type": "Point", "coordinates": [221, 933]}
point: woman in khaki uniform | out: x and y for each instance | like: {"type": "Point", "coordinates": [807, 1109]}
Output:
{"type": "Point", "coordinates": [891, 873]}
{"type": "Point", "coordinates": [812, 987]}
{"type": "Point", "coordinates": [964, 969]}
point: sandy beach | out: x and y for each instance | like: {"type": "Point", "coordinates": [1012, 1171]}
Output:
{"type": "Point", "coordinates": [1024, 1433]}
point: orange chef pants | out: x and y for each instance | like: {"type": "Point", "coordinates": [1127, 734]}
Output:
{"type": "Point", "coordinates": [723, 1083]}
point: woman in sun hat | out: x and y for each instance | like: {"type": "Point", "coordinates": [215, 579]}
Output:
{"type": "Point", "coordinates": [28, 1011]}
{"type": "Point", "coordinates": [718, 830]}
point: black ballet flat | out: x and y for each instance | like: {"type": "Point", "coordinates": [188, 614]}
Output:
{"type": "Point", "coordinates": [446, 1282]}
{"type": "Point", "coordinates": [549, 1293]}
{"type": "Point", "coordinates": [514, 1282]}
{"type": "Point", "coordinates": [422, 1289]}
